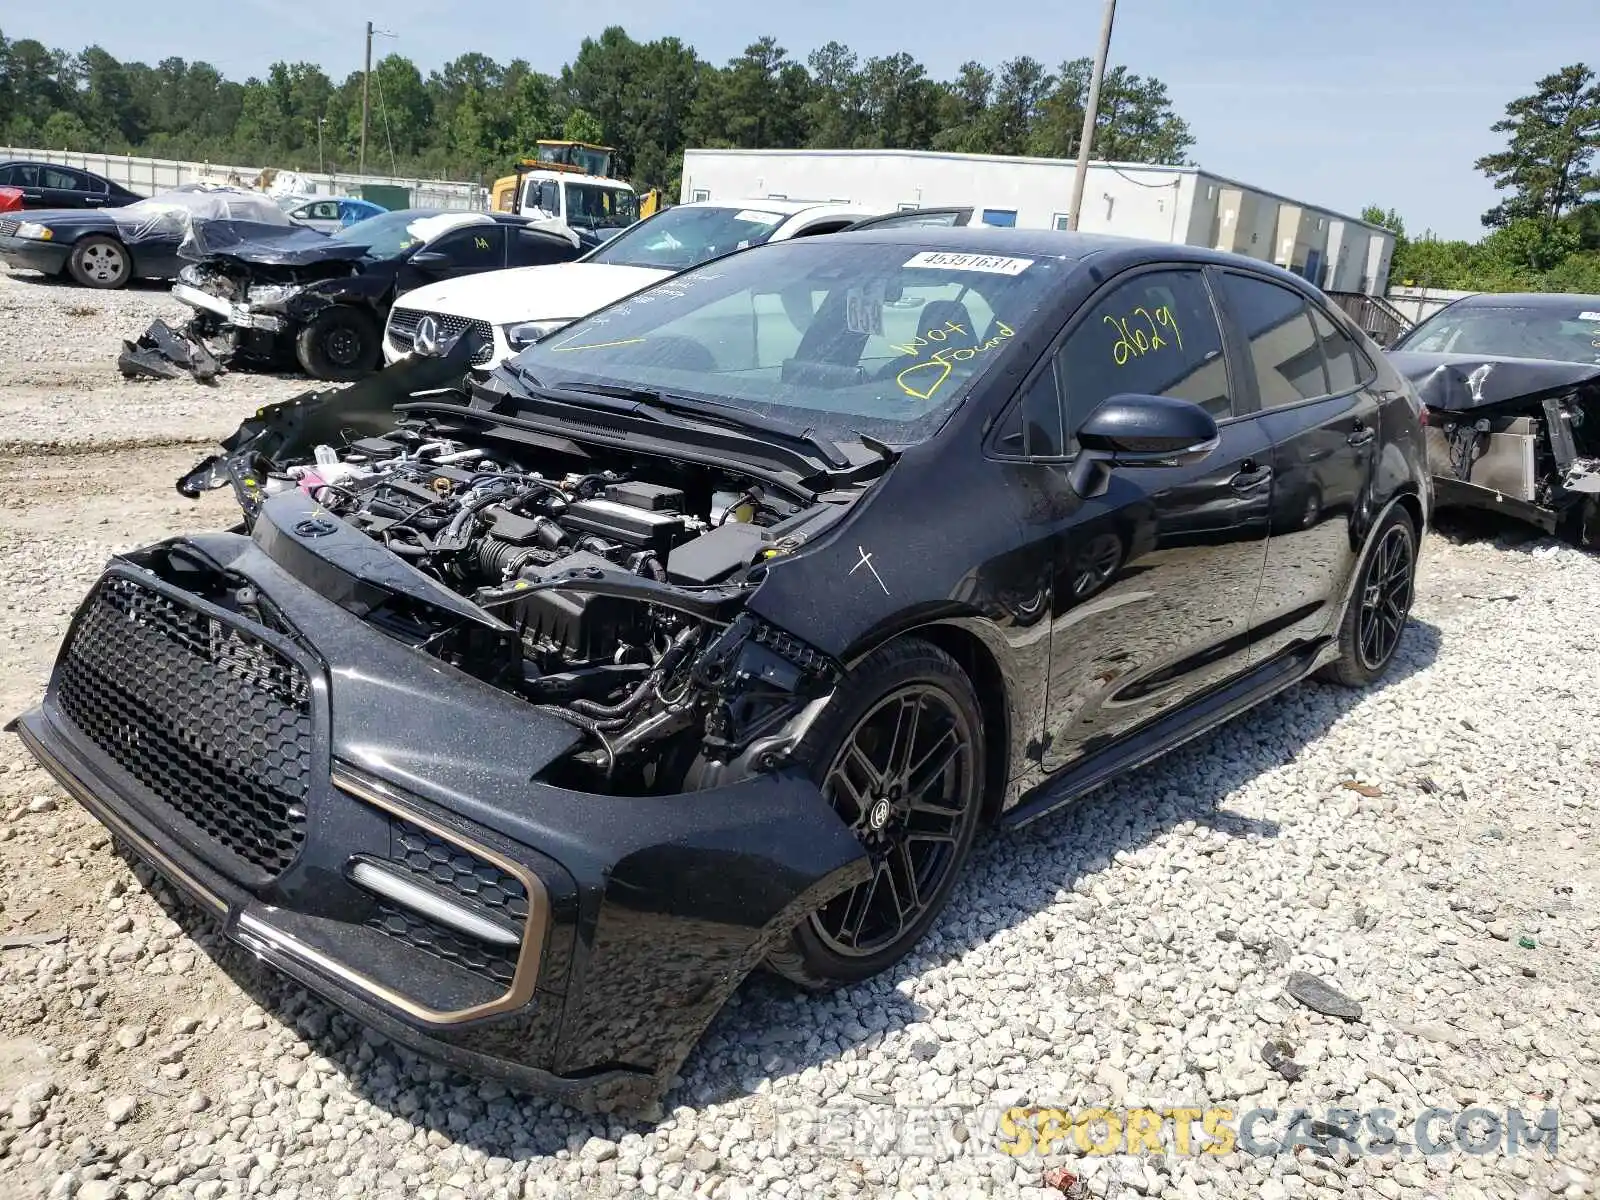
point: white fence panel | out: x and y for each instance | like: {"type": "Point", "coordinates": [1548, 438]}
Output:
{"type": "Point", "coordinates": [149, 175]}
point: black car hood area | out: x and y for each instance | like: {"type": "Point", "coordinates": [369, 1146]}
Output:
{"type": "Point", "coordinates": [1463, 382]}
{"type": "Point", "coordinates": [259, 244]}
{"type": "Point", "coordinates": [63, 218]}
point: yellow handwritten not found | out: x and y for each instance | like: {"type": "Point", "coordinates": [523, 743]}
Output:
{"type": "Point", "coordinates": [943, 361]}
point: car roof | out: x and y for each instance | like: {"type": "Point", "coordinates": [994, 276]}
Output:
{"type": "Point", "coordinates": [787, 208]}
{"type": "Point", "coordinates": [1560, 300]}
{"type": "Point", "coordinates": [1111, 251]}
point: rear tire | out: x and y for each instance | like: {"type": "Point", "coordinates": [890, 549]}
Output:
{"type": "Point", "coordinates": [1376, 617]}
{"type": "Point", "coordinates": [341, 343]}
{"type": "Point", "coordinates": [100, 262]}
{"type": "Point", "coordinates": [900, 755]}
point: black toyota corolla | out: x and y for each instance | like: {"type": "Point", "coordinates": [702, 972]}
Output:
{"type": "Point", "coordinates": [525, 722]}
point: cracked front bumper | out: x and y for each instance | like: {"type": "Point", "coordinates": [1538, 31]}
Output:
{"type": "Point", "coordinates": [373, 824]}
{"type": "Point", "coordinates": [229, 312]}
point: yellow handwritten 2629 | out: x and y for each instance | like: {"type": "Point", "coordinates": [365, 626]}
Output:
{"type": "Point", "coordinates": [1133, 342]}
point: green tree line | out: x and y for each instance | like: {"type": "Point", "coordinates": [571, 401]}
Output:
{"type": "Point", "coordinates": [473, 117]}
{"type": "Point", "coordinates": [1544, 235]}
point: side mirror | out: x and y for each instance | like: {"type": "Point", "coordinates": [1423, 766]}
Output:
{"type": "Point", "coordinates": [1140, 431]}
{"type": "Point", "coordinates": [430, 260]}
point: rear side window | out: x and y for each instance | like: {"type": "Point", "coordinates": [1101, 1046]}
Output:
{"type": "Point", "coordinates": [1284, 351]}
{"type": "Point", "coordinates": [1156, 335]}
{"type": "Point", "coordinates": [535, 248]}
{"type": "Point", "coordinates": [61, 179]}
{"type": "Point", "coordinates": [1347, 366]}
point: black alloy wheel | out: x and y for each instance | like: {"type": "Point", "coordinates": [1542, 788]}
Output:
{"type": "Point", "coordinates": [899, 754]}
{"type": "Point", "coordinates": [1385, 598]}
{"type": "Point", "coordinates": [903, 782]}
{"type": "Point", "coordinates": [1375, 617]}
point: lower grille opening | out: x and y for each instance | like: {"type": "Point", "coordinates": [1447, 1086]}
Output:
{"type": "Point", "coordinates": [498, 963]}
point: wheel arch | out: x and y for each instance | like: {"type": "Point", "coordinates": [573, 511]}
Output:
{"type": "Point", "coordinates": [981, 661]}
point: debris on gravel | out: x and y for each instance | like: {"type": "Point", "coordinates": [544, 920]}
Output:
{"type": "Point", "coordinates": [1136, 953]}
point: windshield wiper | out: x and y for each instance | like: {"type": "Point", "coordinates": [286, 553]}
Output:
{"type": "Point", "coordinates": [723, 413]}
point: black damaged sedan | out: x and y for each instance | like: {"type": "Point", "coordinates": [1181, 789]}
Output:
{"type": "Point", "coordinates": [708, 632]}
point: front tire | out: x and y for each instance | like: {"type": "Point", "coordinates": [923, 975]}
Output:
{"type": "Point", "coordinates": [900, 755]}
{"type": "Point", "coordinates": [1376, 617]}
{"type": "Point", "coordinates": [100, 262]}
{"type": "Point", "coordinates": [341, 343]}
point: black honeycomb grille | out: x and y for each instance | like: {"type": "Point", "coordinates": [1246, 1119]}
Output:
{"type": "Point", "coordinates": [464, 878]}
{"type": "Point", "coordinates": [498, 963]}
{"type": "Point", "coordinates": [215, 723]}
{"type": "Point", "coordinates": [448, 867]}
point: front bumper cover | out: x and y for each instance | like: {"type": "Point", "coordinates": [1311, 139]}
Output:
{"type": "Point", "coordinates": [229, 312]}
{"type": "Point", "coordinates": [641, 914]}
{"type": "Point", "coordinates": [34, 254]}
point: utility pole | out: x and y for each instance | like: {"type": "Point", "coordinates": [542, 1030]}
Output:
{"type": "Point", "coordinates": [1090, 110]}
{"type": "Point", "coordinates": [366, 80]}
{"type": "Point", "coordinates": [322, 166]}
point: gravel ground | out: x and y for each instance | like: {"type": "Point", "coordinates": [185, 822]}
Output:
{"type": "Point", "coordinates": [1426, 847]}
{"type": "Point", "coordinates": [59, 383]}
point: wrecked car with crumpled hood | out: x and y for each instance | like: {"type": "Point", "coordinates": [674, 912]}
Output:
{"type": "Point", "coordinates": [1511, 388]}
{"type": "Point", "coordinates": [275, 296]}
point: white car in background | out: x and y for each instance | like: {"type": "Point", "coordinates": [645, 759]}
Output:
{"type": "Point", "coordinates": [513, 308]}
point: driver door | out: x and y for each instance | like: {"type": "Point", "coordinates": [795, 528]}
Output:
{"type": "Point", "coordinates": [1155, 581]}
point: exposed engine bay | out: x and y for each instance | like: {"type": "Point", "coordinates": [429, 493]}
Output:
{"type": "Point", "coordinates": [1520, 436]}
{"type": "Point", "coordinates": [608, 591]}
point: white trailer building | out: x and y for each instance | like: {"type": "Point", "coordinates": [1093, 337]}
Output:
{"type": "Point", "coordinates": [1175, 204]}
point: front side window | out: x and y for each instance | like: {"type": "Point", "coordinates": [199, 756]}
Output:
{"type": "Point", "coordinates": [20, 175]}
{"type": "Point", "coordinates": [1284, 350]}
{"type": "Point", "coordinates": [875, 338]}
{"type": "Point", "coordinates": [689, 235]}
{"type": "Point", "coordinates": [1156, 335]}
{"type": "Point", "coordinates": [477, 247]}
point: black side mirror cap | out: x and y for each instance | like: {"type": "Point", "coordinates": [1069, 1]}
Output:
{"type": "Point", "coordinates": [1132, 430]}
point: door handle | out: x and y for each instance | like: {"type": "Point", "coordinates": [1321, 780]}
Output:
{"type": "Point", "coordinates": [1361, 435]}
{"type": "Point", "coordinates": [1250, 479]}
{"type": "Point", "coordinates": [33, 195]}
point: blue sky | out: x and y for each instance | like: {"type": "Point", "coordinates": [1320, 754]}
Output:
{"type": "Point", "coordinates": [1369, 101]}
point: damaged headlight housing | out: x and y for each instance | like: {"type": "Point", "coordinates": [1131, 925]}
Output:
{"type": "Point", "coordinates": [36, 231]}
{"type": "Point", "coordinates": [525, 333]}
{"type": "Point", "coordinates": [271, 295]}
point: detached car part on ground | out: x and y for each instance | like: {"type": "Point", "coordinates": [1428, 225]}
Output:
{"type": "Point", "coordinates": [148, 239]}
{"type": "Point", "coordinates": [523, 722]}
{"type": "Point", "coordinates": [1512, 389]}
{"type": "Point", "coordinates": [321, 300]}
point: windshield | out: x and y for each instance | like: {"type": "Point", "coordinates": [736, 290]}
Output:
{"type": "Point", "coordinates": [597, 207]}
{"type": "Point", "coordinates": [385, 236]}
{"type": "Point", "coordinates": [1559, 333]}
{"type": "Point", "coordinates": [688, 236]}
{"type": "Point", "coordinates": [847, 337]}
